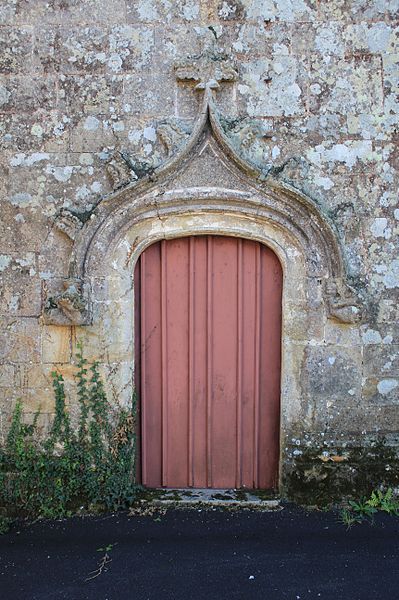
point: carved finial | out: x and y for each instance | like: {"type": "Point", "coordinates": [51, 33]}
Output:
{"type": "Point", "coordinates": [120, 170]}
{"type": "Point", "coordinates": [208, 70]}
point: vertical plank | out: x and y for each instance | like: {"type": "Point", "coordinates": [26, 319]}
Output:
{"type": "Point", "coordinates": [191, 360]}
{"type": "Point", "coordinates": [224, 362]}
{"type": "Point", "coordinates": [257, 340]}
{"type": "Point", "coordinates": [138, 369]}
{"type": "Point", "coordinates": [199, 349]}
{"type": "Point", "coordinates": [239, 407]}
{"type": "Point", "coordinates": [151, 376]}
{"type": "Point", "coordinates": [177, 361]}
{"type": "Point", "coordinates": [209, 360]}
{"type": "Point", "coordinates": [164, 362]}
{"type": "Point", "coordinates": [270, 357]}
{"type": "Point", "coordinates": [249, 360]}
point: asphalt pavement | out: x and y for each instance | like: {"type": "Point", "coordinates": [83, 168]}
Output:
{"type": "Point", "coordinates": [191, 554]}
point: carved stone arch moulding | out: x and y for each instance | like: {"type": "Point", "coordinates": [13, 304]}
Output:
{"type": "Point", "coordinates": [206, 187]}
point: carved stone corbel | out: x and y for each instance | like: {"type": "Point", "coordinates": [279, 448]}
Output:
{"type": "Point", "coordinates": [71, 306]}
{"type": "Point", "coordinates": [342, 301]}
{"type": "Point", "coordinates": [68, 223]}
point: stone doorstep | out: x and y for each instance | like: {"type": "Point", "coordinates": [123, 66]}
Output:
{"type": "Point", "coordinates": [214, 497]}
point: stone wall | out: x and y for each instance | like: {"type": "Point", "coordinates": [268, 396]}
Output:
{"type": "Point", "coordinates": [315, 106]}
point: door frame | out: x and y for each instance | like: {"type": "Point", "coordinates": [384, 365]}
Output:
{"type": "Point", "coordinates": [111, 336]}
{"type": "Point", "coordinates": [147, 232]}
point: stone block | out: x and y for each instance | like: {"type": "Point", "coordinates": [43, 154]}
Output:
{"type": "Point", "coordinates": [33, 376]}
{"type": "Point", "coordinates": [350, 419]}
{"type": "Point", "coordinates": [346, 86]}
{"type": "Point", "coordinates": [302, 324]}
{"type": "Point", "coordinates": [16, 48]}
{"type": "Point", "coordinates": [72, 49]}
{"type": "Point", "coordinates": [381, 360]}
{"type": "Point", "coordinates": [148, 94]}
{"type": "Point", "coordinates": [281, 10]}
{"type": "Point", "coordinates": [171, 43]}
{"type": "Point", "coordinates": [323, 39]}
{"type": "Point", "coordinates": [390, 82]}
{"type": "Point", "coordinates": [20, 295]}
{"type": "Point", "coordinates": [381, 389]}
{"type": "Point", "coordinates": [342, 334]}
{"type": "Point", "coordinates": [130, 48]}
{"type": "Point", "coordinates": [151, 11]}
{"type": "Point", "coordinates": [380, 37]}
{"type": "Point", "coordinates": [7, 374]}
{"type": "Point", "coordinates": [119, 383]}
{"type": "Point", "coordinates": [332, 374]}
{"type": "Point", "coordinates": [61, 11]}
{"type": "Point", "coordinates": [38, 400]}
{"type": "Point", "coordinates": [7, 406]}
{"type": "Point", "coordinates": [362, 10]}
{"type": "Point", "coordinates": [19, 340]}
{"type": "Point", "coordinates": [39, 131]}
{"type": "Point", "coordinates": [56, 344]}
{"type": "Point", "coordinates": [27, 93]}
{"type": "Point", "coordinates": [17, 223]}
{"type": "Point", "coordinates": [249, 40]}
{"type": "Point", "coordinates": [273, 88]}
{"type": "Point", "coordinates": [84, 94]}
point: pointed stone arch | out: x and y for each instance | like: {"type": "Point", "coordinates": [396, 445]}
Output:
{"type": "Point", "coordinates": [200, 186]}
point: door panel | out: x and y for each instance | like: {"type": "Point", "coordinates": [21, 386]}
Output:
{"type": "Point", "coordinates": [208, 323]}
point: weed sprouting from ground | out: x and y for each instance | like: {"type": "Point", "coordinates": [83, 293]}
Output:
{"type": "Point", "coordinates": [366, 508]}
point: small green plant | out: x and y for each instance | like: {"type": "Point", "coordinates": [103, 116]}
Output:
{"type": "Point", "coordinates": [362, 508]}
{"type": "Point", "coordinates": [5, 524]}
{"type": "Point", "coordinates": [88, 466]}
{"type": "Point", "coordinates": [385, 501]}
{"type": "Point", "coordinates": [348, 518]}
{"type": "Point", "coordinates": [366, 508]}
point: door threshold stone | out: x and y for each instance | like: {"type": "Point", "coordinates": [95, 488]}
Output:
{"type": "Point", "coordinates": [238, 498]}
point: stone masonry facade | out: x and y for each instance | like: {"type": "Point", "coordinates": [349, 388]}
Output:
{"type": "Point", "coordinates": [98, 101]}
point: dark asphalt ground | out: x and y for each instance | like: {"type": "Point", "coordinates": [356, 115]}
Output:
{"type": "Point", "coordinates": [186, 554]}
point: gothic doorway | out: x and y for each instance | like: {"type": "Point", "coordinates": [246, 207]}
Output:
{"type": "Point", "coordinates": [208, 361]}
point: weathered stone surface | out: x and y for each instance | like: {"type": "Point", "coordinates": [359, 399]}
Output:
{"type": "Point", "coordinates": [332, 374]}
{"type": "Point", "coordinates": [19, 340]}
{"type": "Point", "coordinates": [302, 155]}
{"type": "Point", "coordinates": [56, 344]}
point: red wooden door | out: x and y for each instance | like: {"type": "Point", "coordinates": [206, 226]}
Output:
{"type": "Point", "coordinates": [208, 324]}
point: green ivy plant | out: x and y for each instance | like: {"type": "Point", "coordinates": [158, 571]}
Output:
{"type": "Point", "coordinates": [90, 466]}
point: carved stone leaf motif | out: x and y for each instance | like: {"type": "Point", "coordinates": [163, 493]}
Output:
{"type": "Point", "coordinates": [120, 170]}
{"type": "Point", "coordinates": [68, 223]}
{"type": "Point", "coordinates": [172, 135]}
{"type": "Point", "coordinates": [69, 307]}
{"type": "Point", "coordinates": [248, 137]}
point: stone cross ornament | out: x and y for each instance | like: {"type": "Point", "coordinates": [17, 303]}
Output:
{"type": "Point", "coordinates": [208, 70]}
